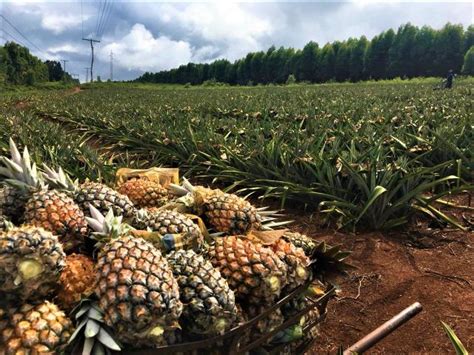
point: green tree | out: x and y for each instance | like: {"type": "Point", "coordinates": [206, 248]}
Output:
{"type": "Point", "coordinates": [327, 61]}
{"type": "Point", "coordinates": [468, 66]}
{"type": "Point", "coordinates": [449, 49]}
{"type": "Point", "coordinates": [55, 71]}
{"type": "Point", "coordinates": [309, 62]}
{"type": "Point", "coordinates": [357, 56]}
{"type": "Point", "coordinates": [377, 55]}
{"type": "Point", "coordinates": [401, 52]}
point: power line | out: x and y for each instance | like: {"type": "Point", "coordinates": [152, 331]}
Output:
{"type": "Point", "coordinates": [15, 39]}
{"type": "Point", "coordinates": [82, 20]}
{"type": "Point", "coordinates": [21, 34]}
{"type": "Point", "coordinates": [108, 11]}
{"type": "Point", "coordinates": [100, 16]}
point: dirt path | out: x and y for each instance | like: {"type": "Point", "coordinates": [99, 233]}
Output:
{"type": "Point", "coordinates": [24, 104]}
{"type": "Point", "coordinates": [432, 266]}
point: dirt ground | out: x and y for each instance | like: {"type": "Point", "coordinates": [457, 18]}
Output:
{"type": "Point", "coordinates": [431, 265]}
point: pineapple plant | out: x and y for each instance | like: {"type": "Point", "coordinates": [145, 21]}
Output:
{"type": "Point", "coordinates": [226, 213]}
{"type": "Point", "coordinates": [77, 281]}
{"type": "Point", "coordinates": [254, 272]}
{"type": "Point", "coordinates": [34, 329]}
{"type": "Point", "coordinates": [89, 193]}
{"type": "Point", "coordinates": [144, 192]}
{"type": "Point", "coordinates": [49, 209]}
{"type": "Point", "coordinates": [170, 222]}
{"type": "Point", "coordinates": [209, 303]}
{"type": "Point", "coordinates": [31, 260]}
{"type": "Point", "coordinates": [137, 291]}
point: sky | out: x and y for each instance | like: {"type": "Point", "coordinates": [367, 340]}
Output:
{"type": "Point", "coordinates": [153, 35]}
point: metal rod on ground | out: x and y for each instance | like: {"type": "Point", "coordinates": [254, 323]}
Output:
{"type": "Point", "coordinates": [385, 329]}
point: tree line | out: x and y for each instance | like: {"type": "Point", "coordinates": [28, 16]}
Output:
{"type": "Point", "coordinates": [19, 67]}
{"type": "Point", "coordinates": [409, 52]}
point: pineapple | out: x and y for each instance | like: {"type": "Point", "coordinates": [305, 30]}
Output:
{"type": "Point", "coordinates": [93, 194]}
{"type": "Point", "coordinates": [76, 281]}
{"type": "Point", "coordinates": [12, 202]}
{"type": "Point", "coordinates": [31, 260]}
{"type": "Point", "coordinates": [144, 193]}
{"type": "Point", "coordinates": [209, 303]}
{"type": "Point", "coordinates": [301, 241]}
{"type": "Point", "coordinates": [296, 261]}
{"type": "Point", "coordinates": [226, 213]}
{"type": "Point", "coordinates": [170, 222]}
{"type": "Point", "coordinates": [136, 288]}
{"type": "Point", "coordinates": [254, 272]}
{"type": "Point", "coordinates": [55, 211]}
{"type": "Point", "coordinates": [49, 209]}
{"type": "Point", "coordinates": [40, 329]}
{"type": "Point", "coordinates": [3, 222]}
{"type": "Point", "coordinates": [265, 324]}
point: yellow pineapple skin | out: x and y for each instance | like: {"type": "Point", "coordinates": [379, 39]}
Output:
{"type": "Point", "coordinates": [137, 292]}
{"type": "Point", "coordinates": [58, 213]}
{"type": "Point", "coordinates": [144, 192]}
{"type": "Point", "coordinates": [77, 281]}
{"type": "Point", "coordinates": [31, 260]}
{"type": "Point", "coordinates": [254, 272]}
{"type": "Point", "coordinates": [227, 213]}
{"type": "Point", "coordinates": [296, 261]}
{"type": "Point", "coordinates": [40, 329]}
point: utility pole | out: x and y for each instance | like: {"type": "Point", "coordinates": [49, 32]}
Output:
{"type": "Point", "coordinates": [64, 67]}
{"type": "Point", "coordinates": [87, 74]}
{"type": "Point", "coordinates": [111, 66]}
{"type": "Point", "coordinates": [92, 41]}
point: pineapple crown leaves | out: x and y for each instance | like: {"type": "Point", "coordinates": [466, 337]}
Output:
{"type": "Point", "coordinates": [91, 332]}
{"type": "Point", "coordinates": [59, 179]}
{"type": "Point", "coordinates": [329, 259]}
{"type": "Point", "coordinates": [108, 226]}
{"type": "Point", "coordinates": [19, 171]}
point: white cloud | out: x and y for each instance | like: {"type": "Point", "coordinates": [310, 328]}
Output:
{"type": "Point", "coordinates": [140, 50]}
{"type": "Point", "coordinates": [58, 23]}
{"type": "Point", "coordinates": [65, 48]}
{"type": "Point", "coordinates": [234, 27]}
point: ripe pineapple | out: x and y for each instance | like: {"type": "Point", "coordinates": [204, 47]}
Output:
{"type": "Point", "coordinates": [135, 286]}
{"type": "Point", "coordinates": [254, 272]}
{"type": "Point", "coordinates": [3, 222]}
{"type": "Point", "coordinates": [266, 324]}
{"type": "Point", "coordinates": [209, 303]}
{"type": "Point", "coordinates": [55, 211]}
{"type": "Point", "coordinates": [296, 261]}
{"type": "Point", "coordinates": [88, 194]}
{"type": "Point", "coordinates": [49, 209]}
{"type": "Point", "coordinates": [12, 203]}
{"type": "Point", "coordinates": [227, 213]}
{"type": "Point", "coordinates": [144, 193]}
{"type": "Point", "coordinates": [31, 260]}
{"type": "Point", "coordinates": [301, 241]}
{"type": "Point", "coordinates": [77, 281]}
{"type": "Point", "coordinates": [40, 329]}
{"type": "Point", "coordinates": [170, 222]}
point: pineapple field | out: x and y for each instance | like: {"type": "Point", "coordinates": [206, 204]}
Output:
{"type": "Point", "coordinates": [277, 218]}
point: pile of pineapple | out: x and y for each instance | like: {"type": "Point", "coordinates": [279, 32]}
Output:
{"type": "Point", "coordinates": [88, 268]}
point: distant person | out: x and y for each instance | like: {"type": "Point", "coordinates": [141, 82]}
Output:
{"type": "Point", "coordinates": [449, 80]}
